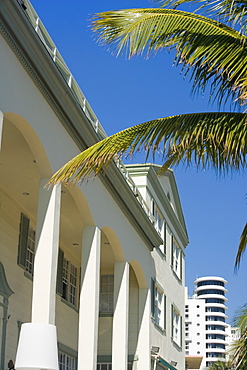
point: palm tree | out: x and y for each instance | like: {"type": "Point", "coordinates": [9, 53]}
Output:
{"type": "Point", "coordinates": [220, 365]}
{"type": "Point", "coordinates": [212, 51]}
{"type": "Point", "coordinates": [239, 349]}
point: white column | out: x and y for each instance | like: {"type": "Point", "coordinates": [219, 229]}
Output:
{"type": "Point", "coordinates": [45, 263]}
{"type": "Point", "coordinates": [120, 317]}
{"type": "Point", "coordinates": [143, 345]}
{"type": "Point", "coordinates": [1, 128]}
{"type": "Point", "coordinates": [89, 299]}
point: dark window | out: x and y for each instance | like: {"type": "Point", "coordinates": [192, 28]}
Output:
{"type": "Point", "coordinates": [210, 282]}
{"type": "Point", "coordinates": [211, 291]}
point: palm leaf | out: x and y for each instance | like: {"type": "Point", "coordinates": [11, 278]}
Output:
{"type": "Point", "coordinates": [230, 11]}
{"type": "Point", "coordinates": [216, 140]}
{"type": "Point", "coordinates": [240, 346]}
{"type": "Point", "coordinates": [212, 51]}
{"type": "Point", "coordinates": [241, 247]}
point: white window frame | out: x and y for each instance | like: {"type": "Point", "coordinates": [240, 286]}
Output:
{"type": "Point", "coordinates": [159, 305]}
{"type": "Point", "coordinates": [66, 362]}
{"type": "Point", "coordinates": [176, 326]}
{"type": "Point", "coordinates": [176, 258]}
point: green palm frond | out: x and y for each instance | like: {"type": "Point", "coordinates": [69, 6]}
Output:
{"type": "Point", "coordinates": [239, 349]}
{"type": "Point", "coordinates": [220, 365]}
{"type": "Point", "coordinates": [212, 51]}
{"type": "Point", "coordinates": [241, 247]}
{"type": "Point", "coordinates": [229, 11]}
{"type": "Point", "coordinates": [216, 140]}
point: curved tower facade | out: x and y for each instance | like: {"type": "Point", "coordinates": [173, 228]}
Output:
{"type": "Point", "coordinates": [212, 290]}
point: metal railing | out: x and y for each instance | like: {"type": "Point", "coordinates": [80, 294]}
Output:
{"type": "Point", "coordinates": [78, 94]}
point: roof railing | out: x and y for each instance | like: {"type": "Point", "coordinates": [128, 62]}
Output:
{"type": "Point", "coordinates": [78, 94]}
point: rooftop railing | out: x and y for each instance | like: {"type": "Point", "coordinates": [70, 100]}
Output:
{"type": "Point", "coordinates": [79, 96]}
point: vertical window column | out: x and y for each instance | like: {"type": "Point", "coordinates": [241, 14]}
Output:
{"type": "Point", "coordinates": [46, 255]}
{"type": "Point", "coordinates": [89, 299]}
{"type": "Point", "coordinates": [120, 318]}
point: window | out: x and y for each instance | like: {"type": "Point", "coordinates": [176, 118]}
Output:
{"type": "Point", "coordinates": [176, 326]}
{"type": "Point", "coordinates": [176, 256]}
{"type": "Point", "coordinates": [158, 219]}
{"type": "Point", "coordinates": [215, 327]}
{"type": "Point", "coordinates": [108, 366]}
{"type": "Point", "coordinates": [210, 282]}
{"type": "Point", "coordinates": [214, 300]}
{"type": "Point", "coordinates": [30, 251]}
{"type": "Point", "coordinates": [66, 362]}
{"type": "Point", "coordinates": [104, 367]}
{"type": "Point", "coordinates": [160, 225]}
{"type": "Point", "coordinates": [215, 318]}
{"type": "Point", "coordinates": [69, 282]}
{"type": "Point", "coordinates": [106, 293]}
{"type": "Point", "coordinates": [158, 305]}
{"type": "Point", "coordinates": [26, 248]}
{"type": "Point", "coordinates": [215, 336]}
{"type": "Point", "coordinates": [210, 291]}
{"type": "Point", "coordinates": [67, 279]}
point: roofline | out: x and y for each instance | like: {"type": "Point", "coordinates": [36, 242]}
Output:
{"type": "Point", "coordinates": [31, 52]}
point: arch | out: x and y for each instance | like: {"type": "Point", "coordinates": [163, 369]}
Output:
{"type": "Point", "coordinates": [139, 274]}
{"type": "Point", "coordinates": [33, 142]}
{"type": "Point", "coordinates": [81, 204]}
{"type": "Point", "coordinates": [114, 242]}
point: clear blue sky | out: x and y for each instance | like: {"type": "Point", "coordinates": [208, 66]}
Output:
{"type": "Point", "coordinates": [126, 92]}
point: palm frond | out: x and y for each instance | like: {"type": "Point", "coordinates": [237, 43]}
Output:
{"type": "Point", "coordinates": [215, 53]}
{"type": "Point", "coordinates": [216, 140]}
{"type": "Point", "coordinates": [232, 12]}
{"type": "Point", "coordinates": [241, 248]}
{"type": "Point", "coordinates": [239, 348]}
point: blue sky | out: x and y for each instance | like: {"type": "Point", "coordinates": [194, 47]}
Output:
{"type": "Point", "coordinates": [126, 92]}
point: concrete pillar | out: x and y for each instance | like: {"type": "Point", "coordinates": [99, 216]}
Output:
{"type": "Point", "coordinates": [120, 317]}
{"type": "Point", "coordinates": [45, 263]}
{"type": "Point", "coordinates": [143, 345]}
{"type": "Point", "coordinates": [89, 299]}
{"type": "Point", "coordinates": [1, 128]}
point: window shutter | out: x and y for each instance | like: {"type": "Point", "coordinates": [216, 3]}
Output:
{"type": "Point", "coordinates": [23, 239]}
{"type": "Point", "coordinates": [172, 317]}
{"type": "Point", "coordinates": [60, 272]}
{"type": "Point", "coordinates": [152, 296]}
{"type": "Point", "coordinates": [181, 264]}
{"type": "Point", "coordinates": [164, 298]}
{"type": "Point", "coordinates": [164, 237]}
{"type": "Point", "coordinates": [181, 331]}
{"type": "Point", "coordinates": [172, 251]}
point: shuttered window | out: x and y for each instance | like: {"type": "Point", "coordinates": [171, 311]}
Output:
{"type": "Point", "coordinates": [26, 247]}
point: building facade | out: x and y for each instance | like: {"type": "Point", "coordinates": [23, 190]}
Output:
{"type": "Point", "coordinates": [100, 262]}
{"type": "Point", "coordinates": [205, 321]}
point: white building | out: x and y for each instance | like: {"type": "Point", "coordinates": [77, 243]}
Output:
{"type": "Point", "coordinates": [233, 334]}
{"type": "Point", "coordinates": [205, 326]}
{"type": "Point", "coordinates": [95, 269]}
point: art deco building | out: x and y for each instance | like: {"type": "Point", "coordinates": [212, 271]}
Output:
{"type": "Point", "coordinates": [205, 320]}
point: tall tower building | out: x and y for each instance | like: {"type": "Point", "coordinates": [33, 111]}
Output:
{"type": "Point", "coordinates": [205, 316]}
